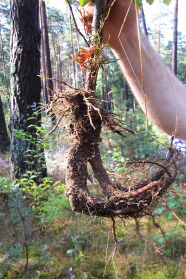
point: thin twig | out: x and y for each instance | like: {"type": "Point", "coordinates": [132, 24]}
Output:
{"type": "Point", "coordinates": [150, 162]}
{"type": "Point", "coordinates": [157, 225]}
{"type": "Point", "coordinates": [87, 43]}
{"type": "Point", "coordinates": [54, 128]}
{"type": "Point", "coordinates": [25, 242]}
{"type": "Point", "coordinates": [142, 190]}
{"type": "Point", "coordinates": [159, 249]}
{"type": "Point", "coordinates": [177, 217]}
{"type": "Point", "coordinates": [114, 230]}
{"type": "Point", "coordinates": [178, 194]}
{"type": "Point", "coordinates": [138, 229]}
{"type": "Point", "coordinates": [66, 84]}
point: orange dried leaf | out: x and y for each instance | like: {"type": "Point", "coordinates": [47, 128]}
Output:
{"type": "Point", "coordinates": [84, 54]}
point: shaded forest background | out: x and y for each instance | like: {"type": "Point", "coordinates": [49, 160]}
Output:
{"type": "Point", "coordinates": [40, 237]}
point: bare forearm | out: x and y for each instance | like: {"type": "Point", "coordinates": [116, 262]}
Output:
{"type": "Point", "coordinates": [163, 96]}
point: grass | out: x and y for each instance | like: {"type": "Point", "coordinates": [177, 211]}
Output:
{"type": "Point", "coordinates": [86, 245]}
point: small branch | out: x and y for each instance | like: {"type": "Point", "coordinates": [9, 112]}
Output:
{"type": "Point", "coordinates": [15, 260]}
{"type": "Point", "coordinates": [157, 225]}
{"type": "Point", "coordinates": [132, 195]}
{"type": "Point", "coordinates": [25, 242]}
{"type": "Point", "coordinates": [140, 191]}
{"type": "Point", "coordinates": [126, 210]}
{"type": "Point", "coordinates": [177, 217]}
{"type": "Point", "coordinates": [138, 229]}
{"type": "Point", "coordinates": [55, 127]}
{"type": "Point", "coordinates": [76, 24]}
{"type": "Point", "coordinates": [114, 230]}
{"type": "Point", "coordinates": [66, 84]}
{"type": "Point", "coordinates": [178, 194]}
{"type": "Point", "coordinates": [150, 162]}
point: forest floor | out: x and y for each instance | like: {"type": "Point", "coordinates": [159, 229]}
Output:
{"type": "Point", "coordinates": [72, 243]}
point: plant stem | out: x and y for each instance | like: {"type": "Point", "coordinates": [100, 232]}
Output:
{"type": "Point", "coordinates": [25, 241]}
{"type": "Point", "coordinates": [75, 23]}
{"type": "Point", "coordinates": [98, 9]}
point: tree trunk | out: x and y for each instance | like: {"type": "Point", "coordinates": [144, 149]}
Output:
{"type": "Point", "coordinates": [54, 43]}
{"type": "Point", "coordinates": [60, 67]}
{"type": "Point", "coordinates": [46, 50]}
{"type": "Point", "coordinates": [4, 138]}
{"type": "Point", "coordinates": [108, 95]}
{"type": "Point", "coordinates": [175, 35]}
{"type": "Point", "coordinates": [104, 105]}
{"type": "Point", "coordinates": [25, 87]}
{"type": "Point", "coordinates": [45, 91]}
{"type": "Point", "coordinates": [143, 21]}
{"type": "Point", "coordinates": [126, 97]}
{"type": "Point", "coordinates": [134, 104]}
{"type": "Point", "coordinates": [3, 57]}
{"type": "Point", "coordinates": [72, 52]}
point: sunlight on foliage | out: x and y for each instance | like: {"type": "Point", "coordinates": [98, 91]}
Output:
{"type": "Point", "coordinates": [138, 2]}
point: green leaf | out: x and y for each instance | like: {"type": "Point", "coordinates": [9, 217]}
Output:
{"type": "Point", "coordinates": [138, 2]}
{"type": "Point", "coordinates": [150, 1]}
{"type": "Point", "coordinates": [169, 215]}
{"type": "Point", "coordinates": [159, 210]}
{"type": "Point", "coordinates": [155, 236]}
{"type": "Point", "coordinates": [167, 2]}
{"type": "Point", "coordinates": [168, 251]}
{"type": "Point", "coordinates": [31, 118]}
{"type": "Point", "coordinates": [83, 2]}
{"type": "Point", "coordinates": [161, 240]}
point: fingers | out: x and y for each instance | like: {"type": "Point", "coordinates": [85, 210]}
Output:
{"type": "Point", "coordinates": [89, 9]}
{"type": "Point", "coordinates": [86, 13]}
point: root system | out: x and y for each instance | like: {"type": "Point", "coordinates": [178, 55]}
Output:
{"type": "Point", "coordinates": [85, 118]}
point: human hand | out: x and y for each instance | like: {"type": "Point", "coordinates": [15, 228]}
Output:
{"type": "Point", "coordinates": [122, 13]}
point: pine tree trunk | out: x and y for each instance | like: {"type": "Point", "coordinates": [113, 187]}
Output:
{"type": "Point", "coordinates": [25, 88]}
{"type": "Point", "coordinates": [175, 35]}
{"type": "Point", "coordinates": [108, 95]}
{"type": "Point", "coordinates": [44, 29]}
{"type": "Point", "coordinates": [104, 104]}
{"type": "Point", "coordinates": [126, 97]}
{"type": "Point", "coordinates": [4, 138]}
{"type": "Point", "coordinates": [134, 105]}
{"type": "Point", "coordinates": [72, 53]}
{"type": "Point", "coordinates": [54, 43]}
{"type": "Point", "coordinates": [142, 14]}
{"type": "Point", "coordinates": [45, 91]}
{"type": "Point", "coordinates": [60, 67]}
{"type": "Point", "coordinates": [3, 57]}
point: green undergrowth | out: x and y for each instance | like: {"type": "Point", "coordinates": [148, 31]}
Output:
{"type": "Point", "coordinates": [86, 245]}
{"type": "Point", "coordinates": [40, 237]}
